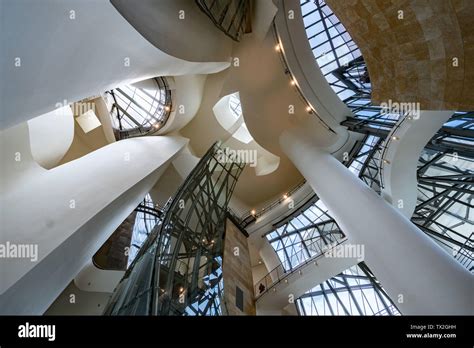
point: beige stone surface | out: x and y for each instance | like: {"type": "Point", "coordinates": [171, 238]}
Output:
{"type": "Point", "coordinates": [237, 271]}
{"type": "Point", "coordinates": [411, 59]}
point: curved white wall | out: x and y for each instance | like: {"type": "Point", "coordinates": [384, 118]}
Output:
{"type": "Point", "coordinates": [51, 136]}
{"type": "Point", "coordinates": [94, 279]}
{"type": "Point", "coordinates": [187, 94]}
{"type": "Point", "coordinates": [55, 51]}
{"type": "Point", "coordinates": [402, 153]}
{"type": "Point", "coordinates": [177, 27]}
{"type": "Point", "coordinates": [68, 211]}
{"type": "Point", "coordinates": [408, 263]}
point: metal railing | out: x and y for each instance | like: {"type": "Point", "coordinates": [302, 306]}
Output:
{"type": "Point", "coordinates": [309, 254]}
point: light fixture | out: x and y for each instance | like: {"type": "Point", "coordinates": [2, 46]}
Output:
{"type": "Point", "coordinates": [308, 109]}
{"type": "Point", "coordinates": [386, 161]}
{"type": "Point", "coordinates": [278, 47]}
{"type": "Point", "coordinates": [286, 281]}
{"type": "Point", "coordinates": [293, 82]}
{"type": "Point", "coordinates": [259, 262]}
{"type": "Point", "coordinates": [167, 108]}
{"type": "Point", "coordinates": [285, 196]}
{"type": "Point", "coordinates": [395, 138]}
{"type": "Point", "coordinates": [299, 272]}
{"type": "Point", "coordinates": [156, 125]}
{"type": "Point", "coordinates": [274, 289]}
{"type": "Point", "coordinates": [253, 212]}
{"type": "Point", "coordinates": [181, 289]}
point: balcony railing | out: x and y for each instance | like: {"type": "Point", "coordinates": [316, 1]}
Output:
{"type": "Point", "coordinates": [311, 253]}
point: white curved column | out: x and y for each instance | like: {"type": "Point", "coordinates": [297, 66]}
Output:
{"type": "Point", "coordinates": [406, 261]}
{"type": "Point", "coordinates": [55, 52]}
{"type": "Point", "coordinates": [402, 149]}
{"type": "Point", "coordinates": [65, 214]}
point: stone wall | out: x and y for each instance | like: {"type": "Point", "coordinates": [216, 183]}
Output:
{"type": "Point", "coordinates": [409, 47]}
{"type": "Point", "coordinates": [237, 271]}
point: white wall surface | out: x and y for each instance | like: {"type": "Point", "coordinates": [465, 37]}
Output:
{"type": "Point", "coordinates": [399, 175]}
{"type": "Point", "coordinates": [68, 211]}
{"type": "Point", "coordinates": [404, 259]}
{"type": "Point", "coordinates": [69, 50]}
{"type": "Point", "coordinates": [187, 95]}
{"type": "Point", "coordinates": [51, 136]}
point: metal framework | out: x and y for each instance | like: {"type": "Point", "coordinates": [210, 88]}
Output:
{"type": "Point", "coordinates": [294, 238]}
{"type": "Point", "coordinates": [178, 270]}
{"type": "Point", "coordinates": [446, 168]}
{"type": "Point", "coordinates": [445, 209]}
{"type": "Point", "coordinates": [138, 111]}
{"type": "Point", "coordinates": [440, 198]}
{"type": "Point", "coordinates": [331, 44]}
{"type": "Point", "coordinates": [355, 291]}
{"type": "Point", "coordinates": [147, 217]}
{"type": "Point", "coordinates": [230, 16]}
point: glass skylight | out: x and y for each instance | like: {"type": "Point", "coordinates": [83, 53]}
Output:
{"type": "Point", "coordinates": [144, 105]}
{"type": "Point", "coordinates": [355, 291]}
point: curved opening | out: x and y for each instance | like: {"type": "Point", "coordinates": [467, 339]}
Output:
{"type": "Point", "coordinates": [139, 108]}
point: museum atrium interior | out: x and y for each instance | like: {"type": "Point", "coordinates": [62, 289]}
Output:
{"type": "Point", "coordinates": [237, 157]}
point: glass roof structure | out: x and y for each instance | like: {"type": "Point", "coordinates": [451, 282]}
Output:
{"type": "Point", "coordinates": [300, 237]}
{"type": "Point", "coordinates": [444, 210]}
{"type": "Point", "coordinates": [355, 291]}
{"type": "Point", "coordinates": [139, 108]}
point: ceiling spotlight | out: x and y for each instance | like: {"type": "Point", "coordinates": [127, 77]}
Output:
{"type": "Point", "coordinates": [167, 108]}
{"type": "Point", "coordinates": [286, 281]}
{"type": "Point", "coordinates": [395, 137]}
{"type": "Point", "coordinates": [253, 212]}
{"type": "Point", "coordinates": [386, 161]}
{"type": "Point", "coordinates": [156, 125]}
{"type": "Point", "coordinates": [181, 289]}
{"type": "Point", "coordinates": [285, 196]}
{"type": "Point", "coordinates": [293, 82]}
{"type": "Point", "coordinates": [278, 47]}
{"type": "Point", "coordinates": [308, 109]}
{"type": "Point", "coordinates": [274, 289]}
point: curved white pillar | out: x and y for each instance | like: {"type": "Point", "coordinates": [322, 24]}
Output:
{"type": "Point", "coordinates": [410, 266]}
{"type": "Point", "coordinates": [403, 148]}
{"type": "Point", "coordinates": [59, 52]}
{"type": "Point", "coordinates": [63, 215]}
